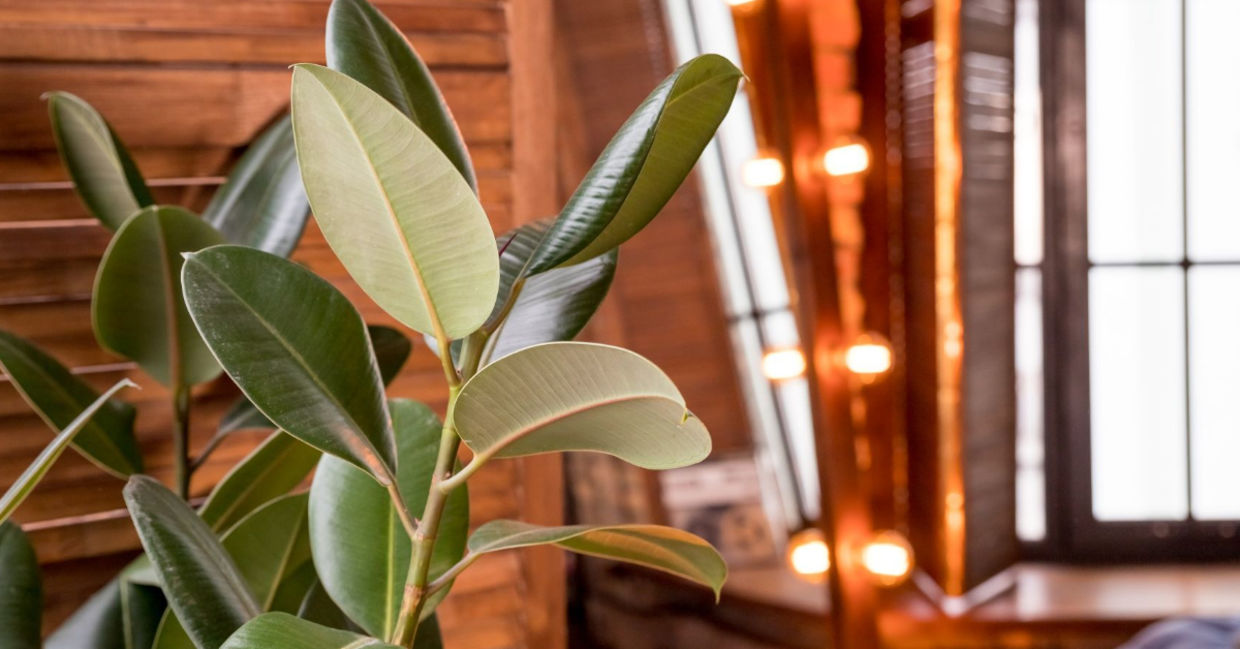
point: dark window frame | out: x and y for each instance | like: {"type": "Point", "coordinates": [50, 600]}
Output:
{"type": "Point", "coordinates": [1072, 532]}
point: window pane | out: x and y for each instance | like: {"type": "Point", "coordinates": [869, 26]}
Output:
{"type": "Point", "coordinates": [1214, 354]}
{"type": "Point", "coordinates": [1027, 137]}
{"type": "Point", "coordinates": [1133, 129]}
{"type": "Point", "coordinates": [1213, 130]}
{"type": "Point", "coordinates": [1136, 365]}
{"type": "Point", "coordinates": [1030, 442]}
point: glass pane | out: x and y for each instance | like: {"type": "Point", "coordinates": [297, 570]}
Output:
{"type": "Point", "coordinates": [1214, 379]}
{"type": "Point", "coordinates": [1030, 444]}
{"type": "Point", "coordinates": [1136, 382]}
{"type": "Point", "coordinates": [1027, 137]}
{"type": "Point", "coordinates": [1133, 130]}
{"type": "Point", "coordinates": [1213, 130]}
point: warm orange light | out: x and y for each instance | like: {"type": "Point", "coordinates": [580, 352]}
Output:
{"type": "Point", "coordinates": [783, 364]}
{"type": "Point", "coordinates": [742, 3]}
{"type": "Point", "coordinates": [888, 558]}
{"type": "Point", "coordinates": [847, 159]}
{"type": "Point", "coordinates": [808, 555]}
{"type": "Point", "coordinates": [763, 172]}
{"type": "Point", "coordinates": [869, 356]}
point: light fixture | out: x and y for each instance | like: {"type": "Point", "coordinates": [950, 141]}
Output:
{"type": "Point", "coordinates": [783, 364]}
{"type": "Point", "coordinates": [763, 172]}
{"type": "Point", "coordinates": [869, 356]}
{"type": "Point", "coordinates": [888, 558]}
{"type": "Point", "coordinates": [846, 159]}
{"type": "Point", "coordinates": [808, 555]}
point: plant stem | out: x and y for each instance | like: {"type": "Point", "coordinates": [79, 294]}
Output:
{"type": "Point", "coordinates": [180, 438]}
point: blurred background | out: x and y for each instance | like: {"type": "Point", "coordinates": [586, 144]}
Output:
{"type": "Point", "coordinates": [955, 289]}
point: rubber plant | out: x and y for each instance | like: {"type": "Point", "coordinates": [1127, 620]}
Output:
{"type": "Point", "coordinates": [363, 558]}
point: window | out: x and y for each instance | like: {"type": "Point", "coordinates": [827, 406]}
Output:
{"type": "Point", "coordinates": [1127, 300]}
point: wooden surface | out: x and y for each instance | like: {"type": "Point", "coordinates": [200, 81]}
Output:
{"type": "Point", "coordinates": [186, 84]}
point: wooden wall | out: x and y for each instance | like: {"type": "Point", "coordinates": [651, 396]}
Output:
{"type": "Point", "coordinates": [186, 83]}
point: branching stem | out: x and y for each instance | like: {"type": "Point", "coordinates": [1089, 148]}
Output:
{"type": "Point", "coordinates": [180, 438]}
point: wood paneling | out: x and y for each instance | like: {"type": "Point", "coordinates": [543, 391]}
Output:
{"type": "Point", "coordinates": [187, 84]}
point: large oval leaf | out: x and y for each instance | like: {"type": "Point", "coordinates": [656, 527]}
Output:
{"type": "Point", "coordinates": [296, 348]}
{"type": "Point", "coordinates": [103, 174]}
{"type": "Point", "coordinates": [21, 591]}
{"type": "Point", "coordinates": [552, 306]}
{"type": "Point", "coordinates": [278, 630]}
{"type": "Point", "coordinates": [202, 582]}
{"type": "Point", "coordinates": [364, 44]}
{"type": "Point", "coordinates": [58, 396]}
{"type": "Point", "coordinates": [579, 397]}
{"type": "Point", "coordinates": [365, 572]}
{"type": "Point", "coordinates": [35, 471]}
{"type": "Point", "coordinates": [268, 546]}
{"type": "Point", "coordinates": [405, 224]}
{"type": "Point", "coordinates": [137, 307]}
{"type": "Point", "coordinates": [271, 470]}
{"type": "Point", "coordinates": [654, 546]}
{"type": "Point", "coordinates": [262, 203]}
{"type": "Point", "coordinates": [643, 165]}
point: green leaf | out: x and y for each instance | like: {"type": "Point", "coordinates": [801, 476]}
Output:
{"type": "Point", "coordinates": [143, 604]}
{"type": "Point", "coordinates": [21, 591]}
{"type": "Point", "coordinates": [268, 546]}
{"type": "Point", "coordinates": [271, 470]}
{"type": "Point", "coordinates": [281, 630]}
{"type": "Point", "coordinates": [137, 307]}
{"type": "Point", "coordinates": [296, 348]}
{"type": "Point", "coordinates": [242, 415]}
{"type": "Point", "coordinates": [29, 478]}
{"type": "Point", "coordinates": [429, 635]}
{"type": "Point", "coordinates": [203, 584]}
{"type": "Point", "coordinates": [58, 396]}
{"type": "Point", "coordinates": [573, 396]}
{"type": "Point", "coordinates": [104, 176]}
{"type": "Point", "coordinates": [97, 624]}
{"type": "Point", "coordinates": [405, 224]}
{"type": "Point", "coordinates": [392, 349]}
{"type": "Point", "coordinates": [318, 607]}
{"type": "Point", "coordinates": [365, 572]}
{"type": "Point", "coordinates": [262, 203]}
{"type": "Point", "coordinates": [654, 546]}
{"type": "Point", "coordinates": [643, 165]}
{"type": "Point", "coordinates": [364, 44]}
{"type": "Point", "coordinates": [552, 306]}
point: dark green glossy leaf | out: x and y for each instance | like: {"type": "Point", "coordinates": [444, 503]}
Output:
{"type": "Point", "coordinates": [654, 546]}
{"type": "Point", "coordinates": [400, 218]}
{"type": "Point", "coordinates": [104, 175]}
{"type": "Point", "coordinates": [262, 203]}
{"type": "Point", "coordinates": [296, 584]}
{"type": "Point", "coordinates": [574, 396]}
{"type": "Point", "coordinates": [281, 631]}
{"type": "Point", "coordinates": [242, 415]}
{"type": "Point", "coordinates": [297, 348]}
{"type": "Point", "coordinates": [271, 470]}
{"type": "Point", "coordinates": [365, 573]}
{"type": "Point", "coordinates": [203, 584]}
{"type": "Point", "coordinates": [643, 165]}
{"type": "Point", "coordinates": [58, 397]}
{"type": "Point", "coordinates": [552, 306]}
{"type": "Point", "coordinates": [137, 302]}
{"type": "Point", "coordinates": [142, 604]}
{"type": "Point", "coordinates": [429, 636]}
{"type": "Point", "coordinates": [35, 471]}
{"type": "Point", "coordinates": [364, 44]}
{"type": "Point", "coordinates": [318, 607]}
{"type": "Point", "coordinates": [21, 591]}
{"type": "Point", "coordinates": [392, 349]}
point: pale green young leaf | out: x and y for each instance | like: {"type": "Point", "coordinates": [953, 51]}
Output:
{"type": "Point", "coordinates": [137, 308]}
{"type": "Point", "coordinates": [280, 630]}
{"type": "Point", "coordinates": [297, 348]}
{"type": "Point", "coordinates": [572, 396]}
{"type": "Point", "coordinates": [21, 590]}
{"type": "Point", "coordinates": [57, 396]}
{"type": "Point", "coordinates": [104, 175]}
{"type": "Point", "coordinates": [406, 225]}
{"type": "Point", "coordinates": [364, 44]}
{"type": "Point", "coordinates": [35, 471]}
{"type": "Point", "coordinates": [654, 546]}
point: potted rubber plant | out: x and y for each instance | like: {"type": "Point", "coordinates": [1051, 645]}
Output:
{"type": "Point", "coordinates": [365, 555]}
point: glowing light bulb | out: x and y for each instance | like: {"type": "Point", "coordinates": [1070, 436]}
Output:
{"type": "Point", "coordinates": [868, 357]}
{"type": "Point", "coordinates": [808, 555]}
{"type": "Point", "coordinates": [888, 558]}
{"type": "Point", "coordinates": [783, 364]}
{"type": "Point", "coordinates": [763, 172]}
{"type": "Point", "coordinates": [847, 159]}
